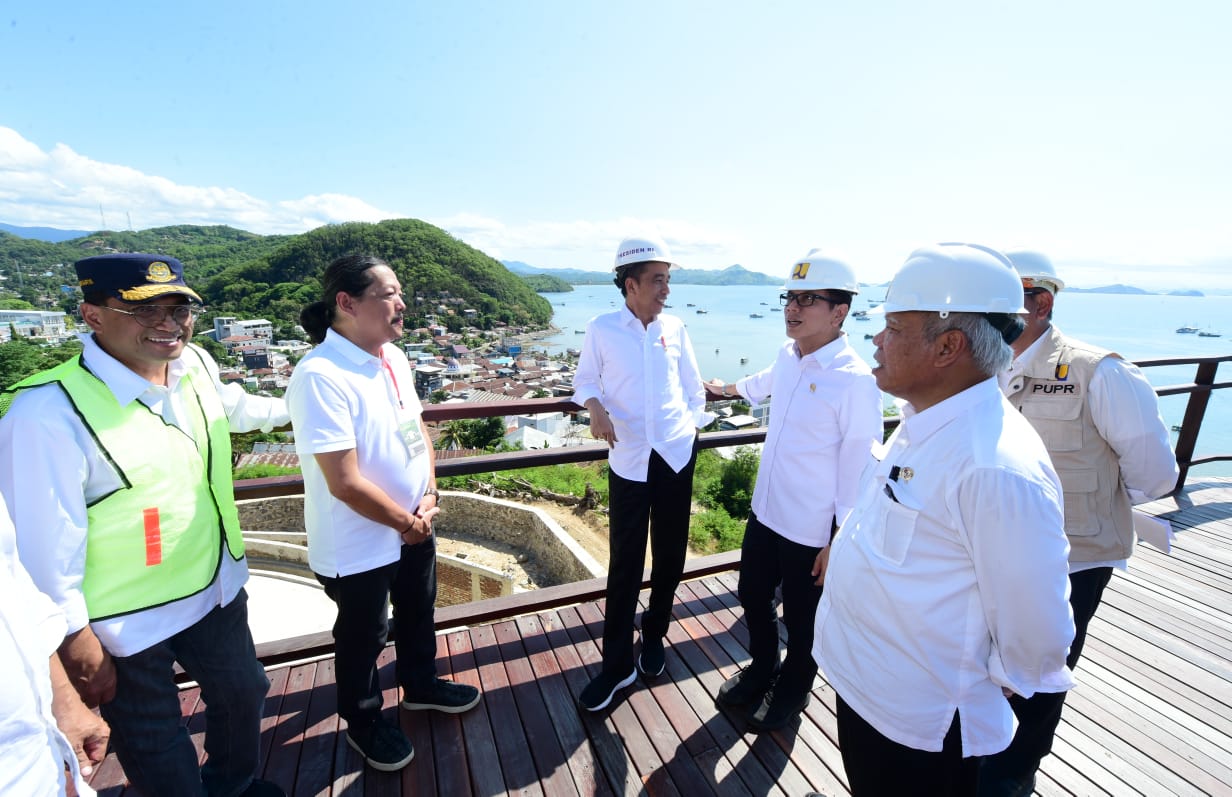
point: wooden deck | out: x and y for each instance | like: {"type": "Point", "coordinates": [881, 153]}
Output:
{"type": "Point", "coordinates": [1152, 713]}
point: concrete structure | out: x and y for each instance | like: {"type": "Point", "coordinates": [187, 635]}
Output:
{"type": "Point", "coordinates": [34, 323]}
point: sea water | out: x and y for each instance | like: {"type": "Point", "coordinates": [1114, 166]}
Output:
{"type": "Point", "coordinates": [729, 342]}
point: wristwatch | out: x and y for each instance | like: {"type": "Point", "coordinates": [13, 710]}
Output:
{"type": "Point", "coordinates": [432, 491]}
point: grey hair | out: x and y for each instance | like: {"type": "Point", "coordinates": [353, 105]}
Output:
{"type": "Point", "coordinates": [989, 351]}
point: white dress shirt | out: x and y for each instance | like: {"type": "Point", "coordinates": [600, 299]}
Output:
{"type": "Point", "coordinates": [343, 398]}
{"type": "Point", "coordinates": [956, 586]}
{"type": "Point", "coordinates": [647, 379]}
{"type": "Point", "coordinates": [31, 628]}
{"type": "Point", "coordinates": [51, 469]}
{"type": "Point", "coordinates": [1125, 411]}
{"type": "Point", "coordinates": [825, 415]}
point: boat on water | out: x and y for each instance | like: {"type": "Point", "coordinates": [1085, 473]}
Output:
{"type": "Point", "coordinates": [1205, 334]}
{"type": "Point", "coordinates": [689, 304]}
{"type": "Point", "coordinates": [744, 360]}
{"type": "Point", "coordinates": [702, 310]}
{"type": "Point", "coordinates": [756, 315]}
{"type": "Point", "coordinates": [776, 309]}
{"type": "Point", "coordinates": [859, 313]}
{"type": "Point", "coordinates": [1187, 330]}
{"type": "Point", "coordinates": [869, 336]}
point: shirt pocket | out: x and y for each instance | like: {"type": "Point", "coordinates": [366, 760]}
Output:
{"type": "Point", "coordinates": [895, 531]}
{"type": "Point", "coordinates": [1080, 486]}
{"type": "Point", "coordinates": [1058, 420]}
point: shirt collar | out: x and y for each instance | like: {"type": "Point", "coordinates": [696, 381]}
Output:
{"type": "Point", "coordinates": [343, 345]}
{"type": "Point", "coordinates": [632, 321]}
{"type": "Point", "coordinates": [919, 426]}
{"type": "Point", "coordinates": [826, 354]}
{"type": "Point", "coordinates": [123, 383]}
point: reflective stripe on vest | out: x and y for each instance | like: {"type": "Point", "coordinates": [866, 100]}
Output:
{"type": "Point", "coordinates": [158, 538]}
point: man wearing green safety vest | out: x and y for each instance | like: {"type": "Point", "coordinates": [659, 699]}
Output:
{"type": "Point", "coordinates": [116, 467]}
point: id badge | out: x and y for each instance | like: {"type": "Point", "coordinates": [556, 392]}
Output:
{"type": "Point", "coordinates": [412, 437]}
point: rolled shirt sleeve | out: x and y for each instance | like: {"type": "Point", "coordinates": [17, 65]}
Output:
{"type": "Point", "coordinates": [1125, 411]}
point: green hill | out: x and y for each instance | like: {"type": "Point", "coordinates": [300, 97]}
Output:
{"type": "Point", "coordinates": [274, 276]}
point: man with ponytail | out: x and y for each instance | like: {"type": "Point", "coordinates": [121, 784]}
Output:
{"type": "Point", "coordinates": [369, 500]}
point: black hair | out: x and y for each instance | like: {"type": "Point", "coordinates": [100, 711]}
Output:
{"type": "Point", "coordinates": [94, 297]}
{"type": "Point", "coordinates": [632, 271]}
{"type": "Point", "coordinates": [350, 274]}
{"type": "Point", "coordinates": [839, 296]}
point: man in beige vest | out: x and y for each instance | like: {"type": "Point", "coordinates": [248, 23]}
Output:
{"type": "Point", "coordinates": [1099, 418]}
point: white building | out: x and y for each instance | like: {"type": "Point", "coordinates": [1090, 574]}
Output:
{"type": "Point", "coordinates": [226, 326]}
{"type": "Point", "coordinates": [35, 323]}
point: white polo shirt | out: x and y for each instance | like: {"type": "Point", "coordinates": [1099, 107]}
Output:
{"type": "Point", "coordinates": [647, 379]}
{"type": "Point", "coordinates": [343, 398]}
{"type": "Point", "coordinates": [825, 416]}
{"type": "Point", "coordinates": [954, 587]}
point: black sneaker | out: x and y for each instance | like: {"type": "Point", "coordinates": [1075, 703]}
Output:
{"type": "Point", "coordinates": [599, 692]}
{"type": "Point", "coordinates": [745, 688]}
{"type": "Point", "coordinates": [777, 709]}
{"type": "Point", "coordinates": [442, 695]}
{"type": "Point", "coordinates": [652, 660]}
{"type": "Point", "coordinates": [384, 747]}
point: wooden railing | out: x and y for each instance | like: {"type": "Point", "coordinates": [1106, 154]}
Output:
{"type": "Point", "coordinates": [1199, 392]}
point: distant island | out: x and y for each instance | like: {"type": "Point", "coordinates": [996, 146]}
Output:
{"type": "Point", "coordinates": [1131, 290]}
{"type": "Point", "coordinates": [732, 275]}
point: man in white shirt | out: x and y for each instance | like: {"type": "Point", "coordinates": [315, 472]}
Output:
{"type": "Point", "coordinates": [923, 627]}
{"type": "Point", "coordinates": [369, 499]}
{"type": "Point", "coordinates": [116, 466]}
{"type": "Point", "coordinates": [44, 727]}
{"type": "Point", "coordinates": [1099, 418]}
{"type": "Point", "coordinates": [825, 418]}
{"type": "Point", "coordinates": [638, 377]}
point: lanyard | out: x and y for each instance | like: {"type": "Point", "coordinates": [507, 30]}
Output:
{"type": "Point", "coordinates": [389, 369]}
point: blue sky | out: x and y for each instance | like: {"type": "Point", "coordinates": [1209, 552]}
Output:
{"type": "Point", "coordinates": [1099, 132]}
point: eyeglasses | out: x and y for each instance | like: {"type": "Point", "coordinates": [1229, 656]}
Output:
{"type": "Point", "coordinates": [151, 315]}
{"type": "Point", "coordinates": [1032, 291]}
{"type": "Point", "coordinates": [804, 299]}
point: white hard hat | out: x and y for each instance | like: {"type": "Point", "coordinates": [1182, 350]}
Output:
{"type": "Point", "coordinates": [1035, 269]}
{"type": "Point", "coordinates": [821, 270]}
{"type": "Point", "coordinates": [641, 250]}
{"type": "Point", "coordinates": [955, 277]}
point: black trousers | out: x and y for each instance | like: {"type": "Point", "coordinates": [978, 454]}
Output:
{"type": "Point", "coordinates": [1039, 715]}
{"type": "Point", "coordinates": [767, 560]}
{"type": "Point", "coordinates": [362, 629]}
{"type": "Point", "coordinates": [659, 507]}
{"type": "Point", "coordinates": [879, 767]}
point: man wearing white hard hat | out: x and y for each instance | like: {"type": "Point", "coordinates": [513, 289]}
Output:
{"type": "Point", "coordinates": [925, 625]}
{"type": "Point", "coordinates": [1099, 418]}
{"type": "Point", "coordinates": [638, 378]}
{"type": "Point", "coordinates": [825, 417]}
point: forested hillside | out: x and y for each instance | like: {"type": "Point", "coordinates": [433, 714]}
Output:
{"type": "Point", "coordinates": [273, 276]}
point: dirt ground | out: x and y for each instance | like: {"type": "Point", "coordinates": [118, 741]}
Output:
{"type": "Point", "coordinates": [588, 528]}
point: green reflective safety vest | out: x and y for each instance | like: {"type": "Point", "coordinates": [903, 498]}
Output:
{"type": "Point", "coordinates": [160, 537]}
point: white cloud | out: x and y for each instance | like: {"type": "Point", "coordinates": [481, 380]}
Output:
{"type": "Point", "coordinates": [62, 188]}
{"type": "Point", "coordinates": [589, 244]}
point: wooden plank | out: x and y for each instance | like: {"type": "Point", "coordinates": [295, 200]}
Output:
{"type": "Point", "coordinates": [1134, 738]}
{"type": "Point", "coordinates": [385, 784]}
{"type": "Point", "coordinates": [511, 742]}
{"type": "Point", "coordinates": [614, 760]}
{"type": "Point", "coordinates": [481, 756]}
{"type": "Point", "coordinates": [320, 736]}
{"type": "Point", "coordinates": [699, 680]}
{"type": "Point", "coordinates": [283, 758]}
{"type": "Point", "coordinates": [559, 705]}
{"type": "Point", "coordinates": [545, 750]}
{"type": "Point", "coordinates": [422, 728]}
{"type": "Point", "coordinates": [616, 726]}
